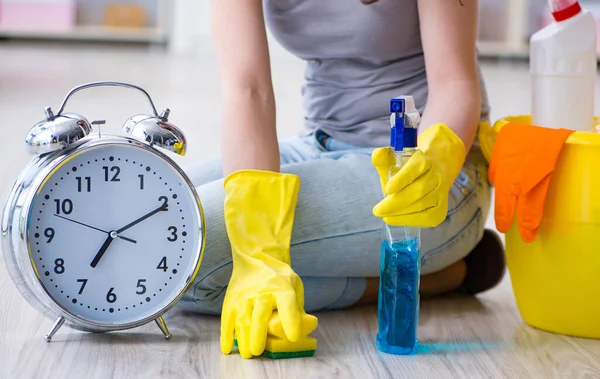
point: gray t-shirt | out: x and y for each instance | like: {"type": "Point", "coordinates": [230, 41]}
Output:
{"type": "Point", "coordinates": [358, 58]}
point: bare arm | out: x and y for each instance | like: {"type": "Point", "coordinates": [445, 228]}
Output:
{"type": "Point", "coordinates": [249, 139]}
{"type": "Point", "coordinates": [449, 33]}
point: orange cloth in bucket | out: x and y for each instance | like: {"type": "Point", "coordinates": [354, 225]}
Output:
{"type": "Point", "coordinates": [521, 165]}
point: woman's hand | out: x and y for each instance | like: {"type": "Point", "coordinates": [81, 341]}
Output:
{"type": "Point", "coordinates": [259, 215]}
{"type": "Point", "coordinates": [417, 195]}
{"type": "Point", "coordinates": [257, 288]}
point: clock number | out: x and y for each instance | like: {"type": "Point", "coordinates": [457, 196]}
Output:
{"type": "Point", "coordinates": [110, 296]}
{"type": "Point", "coordinates": [141, 176]}
{"type": "Point", "coordinates": [88, 181]}
{"type": "Point", "coordinates": [165, 201]}
{"type": "Point", "coordinates": [141, 286]}
{"type": "Point", "coordinates": [49, 233]}
{"type": "Point", "coordinates": [66, 206]}
{"type": "Point", "coordinates": [163, 265]}
{"type": "Point", "coordinates": [115, 177]}
{"type": "Point", "coordinates": [173, 231]}
{"type": "Point", "coordinates": [59, 266]}
{"type": "Point", "coordinates": [83, 283]}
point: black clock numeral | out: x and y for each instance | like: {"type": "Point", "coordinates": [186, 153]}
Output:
{"type": "Point", "coordinates": [141, 176]}
{"type": "Point", "coordinates": [165, 201]}
{"type": "Point", "coordinates": [111, 297]}
{"type": "Point", "coordinates": [83, 283]}
{"type": "Point", "coordinates": [49, 233]}
{"type": "Point", "coordinates": [59, 266]}
{"type": "Point", "coordinates": [162, 265]}
{"type": "Point", "coordinates": [66, 206]}
{"type": "Point", "coordinates": [173, 236]}
{"type": "Point", "coordinates": [88, 182]}
{"type": "Point", "coordinates": [115, 177]}
{"type": "Point", "coordinates": [141, 286]}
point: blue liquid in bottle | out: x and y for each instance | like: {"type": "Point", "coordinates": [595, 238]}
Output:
{"type": "Point", "coordinates": [398, 309]}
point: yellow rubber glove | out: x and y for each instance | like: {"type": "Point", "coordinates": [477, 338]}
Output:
{"type": "Point", "coordinates": [275, 329]}
{"type": "Point", "coordinates": [417, 195]}
{"type": "Point", "coordinates": [259, 215]}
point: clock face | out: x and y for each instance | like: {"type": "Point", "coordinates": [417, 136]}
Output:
{"type": "Point", "coordinates": [114, 234]}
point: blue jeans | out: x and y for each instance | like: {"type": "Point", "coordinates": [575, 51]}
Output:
{"type": "Point", "coordinates": [336, 239]}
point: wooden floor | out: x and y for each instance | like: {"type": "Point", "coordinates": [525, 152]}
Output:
{"type": "Point", "coordinates": [460, 337]}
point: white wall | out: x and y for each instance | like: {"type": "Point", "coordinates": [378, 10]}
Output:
{"type": "Point", "coordinates": [189, 26]}
{"type": "Point", "coordinates": [191, 33]}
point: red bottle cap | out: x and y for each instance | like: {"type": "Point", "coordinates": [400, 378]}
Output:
{"type": "Point", "coordinates": [567, 13]}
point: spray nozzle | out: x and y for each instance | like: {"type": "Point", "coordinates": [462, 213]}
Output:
{"type": "Point", "coordinates": [404, 120]}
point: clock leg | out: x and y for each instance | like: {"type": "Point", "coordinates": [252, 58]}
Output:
{"type": "Point", "coordinates": [57, 324]}
{"type": "Point", "coordinates": [163, 327]}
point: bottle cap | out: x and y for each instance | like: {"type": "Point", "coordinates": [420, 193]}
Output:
{"type": "Point", "coordinates": [564, 9]}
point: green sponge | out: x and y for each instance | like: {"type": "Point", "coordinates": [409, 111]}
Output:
{"type": "Point", "coordinates": [287, 355]}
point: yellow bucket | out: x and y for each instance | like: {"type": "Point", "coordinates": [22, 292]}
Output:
{"type": "Point", "coordinates": [556, 278]}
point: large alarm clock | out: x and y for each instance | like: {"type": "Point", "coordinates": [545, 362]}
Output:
{"type": "Point", "coordinates": [103, 232]}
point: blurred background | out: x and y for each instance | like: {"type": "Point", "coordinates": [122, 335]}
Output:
{"type": "Point", "coordinates": [50, 46]}
{"type": "Point", "coordinates": [183, 25]}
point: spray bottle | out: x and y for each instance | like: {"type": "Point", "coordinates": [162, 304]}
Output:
{"type": "Point", "coordinates": [398, 309]}
{"type": "Point", "coordinates": [563, 69]}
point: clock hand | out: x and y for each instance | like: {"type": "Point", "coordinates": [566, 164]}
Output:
{"type": "Point", "coordinates": [92, 227]}
{"type": "Point", "coordinates": [127, 239]}
{"type": "Point", "coordinates": [163, 207]}
{"type": "Point", "coordinates": [103, 248]}
{"type": "Point", "coordinates": [81, 223]}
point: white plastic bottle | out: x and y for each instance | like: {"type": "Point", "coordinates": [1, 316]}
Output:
{"type": "Point", "coordinates": [563, 68]}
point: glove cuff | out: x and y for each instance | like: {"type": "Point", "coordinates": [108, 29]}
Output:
{"type": "Point", "coordinates": [259, 212]}
{"type": "Point", "coordinates": [260, 175]}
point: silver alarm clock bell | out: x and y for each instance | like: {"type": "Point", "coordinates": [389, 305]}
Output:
{"type": "Point", "coordinates": [61, 130]}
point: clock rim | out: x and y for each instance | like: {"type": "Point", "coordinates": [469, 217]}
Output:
{"type": "Point", "coordinates": [16, 243]}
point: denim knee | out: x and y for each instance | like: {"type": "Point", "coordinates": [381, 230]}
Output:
{"type": "Point", "coordinates": [207, 292]}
